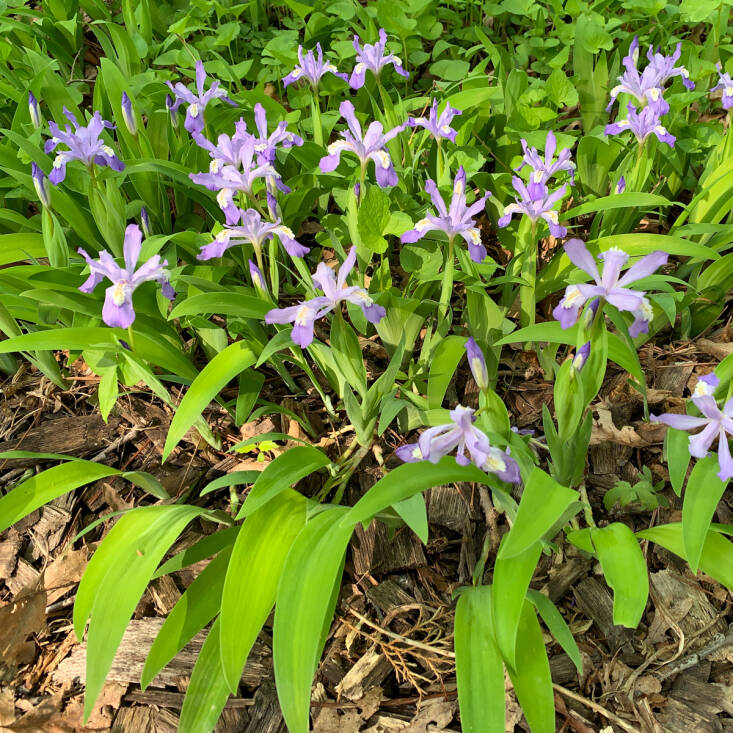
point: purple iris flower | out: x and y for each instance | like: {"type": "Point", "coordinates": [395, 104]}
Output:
{"type": "Point", "coordinates": [145, 221]}
{"type": "Point", "coordinates": [118, 310]}
{"type": "Point", "coordinates": [335, 291]}
{"type": "Point", "coordinates": [196, 102]}
{"type": "Point", "coordinates": [369, 146]}
{"type": "Point", "coordinates": [642, 124]}
{"type": "Point", "coordinates": [462, 436]}
{"type": "Point", "coordinates": [438, 125]}
{"type": "Point", "coordinates": [373, 58]}
{"type": "Point", "coordinates": [258, 279]}
{"type": "Point", "coordinates": [312, 69]}
{"type": "Point", "coordinates": [266, 145]}
{"type": "Point", "coordinates": [477, 363]}
{"type": "Point", "coordinates": [227, 179]}
{"type": "Point", "coordinates": [128, 114]}
{"type": "Point", "coordinates": [648, 86]}
{"type": "Point", "coordinates": [536, 202]}
{"type": "Point", "coordinates": [706, 385]}
{"type": "Point", "coordinates": [716, 423]}
{"type": "Point", "coordinates": [620, 185]}
{"type": "Point", "coordinates": [84, 143]}
{"type": "Point", "coordinates": [610, 286]}
{"type": "Point", "coordinates": [40, 183]}
{"type": "Point", "coordinates": [725, 85]}
{"type": "Point", "coordinates": [254, 229]}
{"type": "Point", "coordinates": [34, 110]}
{"type": "Point", "coordinates": [456, 220]}
{"type": "Point", "coordinates": [543, 170]}
{"type": "Point", "coordinates": [581, 357]}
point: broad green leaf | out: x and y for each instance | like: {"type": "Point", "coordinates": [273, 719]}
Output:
{"type": "Point", "coordinates": [445, 359]}
{"type": "Point", "coordinates": [557, 626]}
{"type": "Point", "coordinates": [550, 331]}
{"type": "Point", "coordinates": [213, 378]}
{"type": "Point", "coordinates": [115, 580]}
{"type": "Point", "coordinates": [479, 667]}
{"type": "Point", "coordinates": [408, 479]}
{"type": "Point", "coordinates": [287, 469]}
{"type": "Point", "coordinates": [206, 547]}
{"type": "Point", "coordinates": [702, 494]}
{"type": "Point", "coordinates": [543, 502]}
{"type": "Point", "coordinates": [624, 568]}
{"type": "Point", "coordinates": [242, 306]}
{"type": "Point", "coordinates": [207, 692]}
{"type": "Point", "coordinates": [716, 559]}
{"type": "Point", "coordinates": [253, 576]}
{"type": "Point", "coordinates": [617, 201]}
{"type": "Point", "coordinates": [347, 355]}
{"type": "Point", "coordinates": [235, 478]}
{"type": "Point", "coordinates": [199, 603]}
{"type": "Point", "coordinates": [677, 453]}
{"type": "Point", "coordinates": [306, 598]}
{"type": "Point", "coordinates": [148, 482]}
{"type": "Point", "coordinates": [414, 515]}
{"type": "Point", "coordinates": [531, 675]}
{"type": "Point", "coordinates": [511, 580]}
{"type": "Point", "coordinates": [48, 485]}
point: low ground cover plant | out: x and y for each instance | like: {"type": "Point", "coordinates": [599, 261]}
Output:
{"type": "Point", "coordinates": [262, 193]}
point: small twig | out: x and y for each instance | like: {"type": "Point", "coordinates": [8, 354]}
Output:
{"type": "Point", "coordinates": [595, 706]}
{"type": "Point", "coordinates": [692, 660]}
{"type": "Point", "coordinates": [126, 438]}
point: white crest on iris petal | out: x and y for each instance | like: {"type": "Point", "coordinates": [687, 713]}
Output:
{"type": "Point", "coordinates": [646, 310]}
{"type": "Point", "coordinates": [359, 67]}
{"type": "Point", "coordinates": [215, 165]}
{"type": "Point", "coordinates": [297, 71]}
{"type": "Point", "coordinates": [363, 296]}
{"type": "Point", "coordinates": [58, 161]}
{"type": "Point", "coordinates": [703, 389]}
{"type": "Point", "coordinates": [475, 235]}
{"type": "Point", "coordinates": [338, 145]}
{"type": "Point", "coordinates": [445, 129]}
{"type": "Point", "coordinates": [660, 129]}
{"type": "Point", "coordinates": [459, 187]}
{"type": "Point", "coordinates": [287, 231]}
{"type": "Point", "coordinates": [260, 147]}
{"type": "Point", "coordinates": [655, 93]}
{"type": "Point", "coordinates": [397, 60]}
{"type": "Point", "coordinates": [617, 90]}
{"type": "Point", "coordinates": [193, 110]}
{"type": "Point", "coordinates": [537, 176]}
{"type": "Point", "coordinates": [301, 318]}
{"type": "Point", "coordinates": [384, 160]}
{"type": "Point", "coordinates": [635, 56]}
{"type": "Point", "coordinates": [552, 216]}
{"type": "Point", "coordinates": [623, 123]}
{"type": "Point", "coordinates": [571, 296]}
{"type": "Point", "coordinates": [495, 462]}
{"type": "Point", "coordinates": [422, 224]}
{"type": "Point", "coordinates": [119, 294]}
{"type": "Point", "coordinates": [222, 198]}
{"type": "Point", "coordinates": [107, 150]}
{"type": "Point", "coordinates": [416, 452]}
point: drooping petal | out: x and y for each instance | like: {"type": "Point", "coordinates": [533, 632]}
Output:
{"type": "Point", "coordinates": [132, 246]}
{"type": "Point", "coordinates": [579, 255]}
{"type": "Point", "coordinates": [117, 311]}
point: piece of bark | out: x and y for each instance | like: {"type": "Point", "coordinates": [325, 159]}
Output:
{"type": "Point", "coordinates": [19, 619]}
{"type": "Point", "coordinates": [448, 508]}
{"type": "Point", "coordinates": [388, 595]}
{"type": "Point", "coordinates": [563, 670]}
{"type": "Point", "coordinates": [65, 572]}
{"type": "Point", "coordinates": [595, 601]}
{"type": "Point", "coordinates": [165, 594]}
{"type": "Point", "coordinates": [608, 457]}
{"type": "Point", "coordinates": [136, 642]}
{"type": "Point", "coordinates": [676, 717]}
{"type": "Point", "coordinates": [568, 573]}
{"type": "Point", "coordinates": [368, 672]}
{"type": "Point", "coordinates": [136, 719]}
{"type": "Point", "coordinates": [25, 576]}
{"type": "Point", "coordinates": [265, 715]}
{"type": "Point", "coordinates": [9, 549]}
{"type": "Point", "coordinates": [50, 528]}
{"type": "Point", "coordinates": [374, 551]}
{"type": "Point", "coordinates": [74, 435]}
{"type": "Point", "coordinates": [673, 379]}
{"type": "Point", "coordinates": [708, 698]}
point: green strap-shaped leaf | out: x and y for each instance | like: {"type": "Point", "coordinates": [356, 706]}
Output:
{"type": "Point", "coordinates": [243, 306]}
{"type": "Point", "coordinates": [543, 502]}
{"type": "Point", "coordinates": [511, 580]}
{"type": "Point", "coordinates": [304, 608]}
{"type": "Point", "coordinates": [716, 559]}
{"type": "Point", "coordinates": [199, 603]}
{"type": "Point", "coordinates": [624, 568]}
{"type": "Point", "coordinates": [557, 626]}
{"type": "Point", "coordinates": [207, 691]}
{"type": "Point", "coordinates": [479, 667]}
{"type": "Point", "coordinates": [531, 676]}
{"type": "Point", "coordinates": [205, 547]}
{"type": "Point", "coordinates": [445, 358]}
{"type": "Point", "coordinates": [287, 469]}
{"type": "Point", "coordinates": [252, 579]}
{"type": "Point", "coordinates": [115, 580]}
{"type": "Point", "coordinates": [702, 495]}
{"type": "Point", "coordinates": [213, 378]}
{"type": "Point", "coordinates": [677, 453]}
{"type": "Point", "coordinates": [409, 479]}
{"type": "Point", "coordinates": [47, 486]}
{"type": "Point", "coordinates": [617, 201]}
{"type": "Point", "coordinates": [413, 513]}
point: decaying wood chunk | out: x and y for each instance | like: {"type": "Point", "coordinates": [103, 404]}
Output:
{"type": "Point", "coordinates": [676, 717]}
{"type": "Point", "coordinates": [595, 601]}
{"type": "Point", "coordinates": [128, 663]}
{"type": "Point", "coordinates": [9, 549]}
{"type": "Point", "coordinates": [568, 573]}
{"type": "Point", "coordinates": [373, 551]}
{"type": "Point", "coordinates": [369, 671]}
{"type": "Point", "coordinates": [388, 595]}
{"type": "Point", "coordinates": [265, 715]}
{"type": "Point", "coordinates": [25, 576]}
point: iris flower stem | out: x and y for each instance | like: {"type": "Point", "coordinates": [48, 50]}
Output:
{"type": "Point", "coordinates": [447, 285]}
{"type": "Point", "coordinates": [528, 255]}
{"type": "Point", "coordinates": [317, 125]}
{"type": "Point", "coordinates": [130, 338]}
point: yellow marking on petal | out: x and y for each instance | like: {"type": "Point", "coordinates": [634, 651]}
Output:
{"type": "Point", "coordinates": [194, 110]}
{"type": "Point", "coordinates": [660, 130]}
{"type": "Point", "coordinates": [537, 176]}
{"type": "Point", "coordinates": [338, 145]}
{"type": "Point", "coordinates": [623, 123]}
{"type": "Point", "coordinates": [107, 150]}
{"type": "Point", "coordinates": [495, 464]}
{"type": "Point", "coordinates": [475, 235]}
{"type": "Point", "coordinates": [215, 165]}
{"type": "Point", "coordinates": [422, 224]}
{"type": "Point", "coordinates": [301, 317]}
{"type": "Point", "coordinates": [58, 161]}
{"type": "Point", "coordinates": [445, 129]}
{"type": "Point", "coordinates": [222, 198]}
{"type": "Point", "coordinates": [646, 310]}
{"type": "Point", "coordinates": [728, 92]}
{"type": "Point", "coordinates": [296, 72]}
{"type": "Point", "coordinates": [571, 295]}
{"type": "Point", "coordinates": [383, 158]}
{"type": "Point", "coordinates": [635, 56]}
{"type": "Point", "coordinates": [617, 90]}
{"type": "Point", "coordinates": [552, 216]}
{"type": "Point", "coordinates": [287, 231]}
{"type": "Point", "coordinates": [359, 67]}
{"type": "Point", "coordinates": [416, 452]}
{"type": "Point", "coordinates": [119, 293]}
{"type": "Point", "coordinates": [654, 93]}
{"type": "Point", "coordinates": [459, 187]}
{"type": "Point", "coordinates": [702, 389]}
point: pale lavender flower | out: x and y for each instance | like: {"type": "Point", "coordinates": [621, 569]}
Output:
{"type": "Point", "coordinates": [254, 229]}
{"type": "Point", "coordinates": [581, 357]}
{"type": "Point", "coordinates": [228, 150]}
{"type": "Point", "coordinates": [258, 279]}
{"type": "Point", "coordinates": [716, 423]}
{"type": "Point", "coordinates": [198, 102]}
{"type": "Point", "coordinates": [311, 68]}
{"type": "Point", "coordinates": [456, 220]}
{"type": "Point", "coordinates": [172, 108]}
{"type": "Point", "coordinates": [368, 146]}
{"type": "Point", "coordinates": [462, 436]}
{"type": "Point", "coordinates": [145, 220]}
{"type": "Point", "coordinates": [611, 286]}
{"type": "Point", "coordinates": [228, 179]}
{"type": "Point", "coordinates": [725, 85]}
{"type": "Point", "coordinates": [477, 364]}
{"type": "Point", "coordinates": [128, 114]}
{"type": "Point", "coordinates": [118, 310]}
{"type": "Point", "coordinates": [266, 144]}
{"type": "Point", "coordinates": [335, 291]}
{"type": "Point", "coordinates": [40, 183]}
{"type": "Point", "coordinates": [706, 385]}
{"type": "Point", "coordinates": [648, 87]}
{"type": "Point", "coordinates": [620, 185]}
{"type": "Point", "coordinates": [373, 58]}
{"type": "Point", "coordinates": [438, 125]}
{"type": "Point", "coordinates": [34, 110]}
{"type": "Point", "coordinates": [84, 144]}
{"type": "Point", "coordinates": [642, 124]}
{"type": "Point", "coordinates": [536, 202]}
{"type": "Point", "coordinates": [544, 169]}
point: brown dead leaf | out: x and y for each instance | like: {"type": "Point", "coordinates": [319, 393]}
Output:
{"type": "Point", "coordinates": [65, 572]}
{"type": "Point", "coordinates": [7, 706]}
{"type": "Point", "coordinates": [604, 430]}
{"type": "Point", "coordinates": [40, 718]}
{"type": "Point", "coordinates": [26, 615]}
